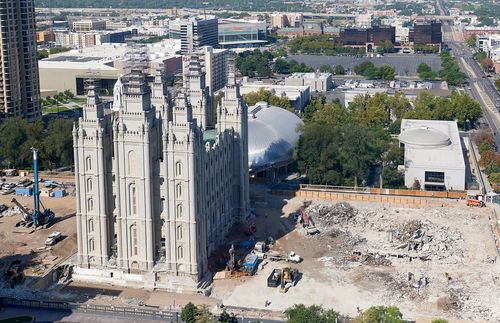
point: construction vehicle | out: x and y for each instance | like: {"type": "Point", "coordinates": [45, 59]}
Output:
{"type": "Point", "coordinates": [307, 222]}
{"type": "Point", "coordinates": [288, 277]}
{"type": "Point", "coordinates": [250, 264]}
{"type": "Point", "coordinates": [53, 238]}
{"type": "Point", "coordinates": [274, 278]}
{"type": "Point", "coordinates": [52, 184]}
{"type": "Point", "coordinates": [292, 257]}
{"type": "Point", "coordinates": [475, 200]}
{"type": "Point", "coordinates": [260, 249]}
{"type": "Point", "coordinates": [37, 217]}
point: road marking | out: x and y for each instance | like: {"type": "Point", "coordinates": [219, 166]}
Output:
{"type": "Point", "coordinates": [489, 105]}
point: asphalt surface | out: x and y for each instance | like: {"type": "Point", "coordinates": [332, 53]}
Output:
{"type": "Point", "coordinates": [480, 86]}
{"type": "Point", "coordinates": [403, 64]}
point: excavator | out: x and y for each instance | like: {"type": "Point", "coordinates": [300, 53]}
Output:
{"type": "Point", "coordinates": [38, 217]}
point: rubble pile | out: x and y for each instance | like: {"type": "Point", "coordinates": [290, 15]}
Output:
{"type": "Point", "coordinates": [328, 218]}
{"type": "Point", "coordinates": [11, 211]}
{"type": "Point", "coordinates": [425, 238]}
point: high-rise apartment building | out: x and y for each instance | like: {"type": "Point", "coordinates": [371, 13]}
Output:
{"type": "Point", "coordinates": [196, 33]}
{"type": "Point", "coordinates": [20, 91]}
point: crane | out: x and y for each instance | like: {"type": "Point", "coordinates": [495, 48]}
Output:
{"type": "Point", "coordinates": [37, 217]}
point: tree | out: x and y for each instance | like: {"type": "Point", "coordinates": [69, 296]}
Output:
{"type": "Point", "coordinates": [227, 318]}
{"type": "Point", "coordinates": [281, 66]}
{"type": "Point", "coordinates": [311, 314]}
{"type": "Point", "coordinates": [263, 95]}
{"type": "Point", "coordinates": [380, 314]}
{"type": "Point", "coordinates": [203, 315]}
{"type": "Point", "coordinates": [189, 313]}
{"type": "Point", "coordinates": [497, 84]}
{"type": "Point", "coordinates": [439, 321]}
{"type": "Point", "coordinates": [385, 47]}
{"type": "Point", "coordinates": [43, 54]}
{"type": "Point", "coordinates": [339, 70]}
{"type": "Point", "coordinates": [425, 72]}
{"type": "Point", "coordinates": [471, 41]}
{"type": "Point", "coordinates": [325, 68]}
{"type": "Point", "coordinates": [416, 185]}
{"type": "Point", "coordinates": [487, 64]}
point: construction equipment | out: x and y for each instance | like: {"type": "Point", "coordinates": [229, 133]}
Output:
{"type": "Point", "coordinates": [277, 256]}
{"type": "Point", "coordinates": [52, 184]}
{"type": "Point", "coordinates": [288, 277]}
{"type": "Point", "coordinates": [37, 217]}
{"type": "Point", "coordinates": [475, 200]}
{"type": "Point", "coordinates": [260, 249]}
{"type": "Point", "coordinates": [274, 278]}
{"type": "Point", "coordinates": [250, 264]}
{"type": "Point", "coordinates": [307, 222]}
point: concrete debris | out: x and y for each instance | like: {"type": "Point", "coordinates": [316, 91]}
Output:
{"type": "Point", "coordinates": [11, 211]}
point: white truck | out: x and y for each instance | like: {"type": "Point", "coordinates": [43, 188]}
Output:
{"type": "Point", "coordinates": [53, 238]}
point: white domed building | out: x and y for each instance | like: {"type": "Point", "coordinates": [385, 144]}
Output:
{"type": "Point", "coordinates": [272, 134]}
{"type": "Point", "coordinates": [434, 154]}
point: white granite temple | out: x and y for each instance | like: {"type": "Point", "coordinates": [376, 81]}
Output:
{"type": "Point", "coordinates": [159, 183]}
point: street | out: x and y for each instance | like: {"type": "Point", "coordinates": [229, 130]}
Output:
{"type": "Point", "coordinates": [480, 86]}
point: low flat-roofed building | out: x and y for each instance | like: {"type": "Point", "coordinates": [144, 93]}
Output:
{"type": "Point", "coordinates": [433, 154]}
{"type": "Point", "coordinates": [298, 96]}
{"type": "Point", "coordinates": [318, 82]}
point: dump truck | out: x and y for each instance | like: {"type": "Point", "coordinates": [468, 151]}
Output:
{"type": "Point", "coordinates": [307, 222]}
{"type": "Point", "coordinates": [274, 278]}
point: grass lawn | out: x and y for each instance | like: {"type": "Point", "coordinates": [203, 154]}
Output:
{"type": "Point", "coordinates": [53, 109]}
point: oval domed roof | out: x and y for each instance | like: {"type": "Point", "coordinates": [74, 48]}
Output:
{"type": "Point", "coordinates": [272, 133]}
{"type": "Point", "coordinates": [425, 137]}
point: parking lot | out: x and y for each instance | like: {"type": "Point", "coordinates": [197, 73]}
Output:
{"type": "Point", "coordinates": [404, 64]}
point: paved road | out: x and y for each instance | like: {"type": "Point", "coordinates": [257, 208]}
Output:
{"type": "Point", "coordinates": [481, 87]}
{"type": "Point", "coordinates": [404, 64]}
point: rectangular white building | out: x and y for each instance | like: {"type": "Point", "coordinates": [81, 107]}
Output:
{"type": "Point", "coordinates": [318, 82]}
{"type": "Point", "coordinates": [433, 155]}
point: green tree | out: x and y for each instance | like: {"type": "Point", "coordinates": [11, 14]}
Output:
{"type": "Point", "coordinates": [325, 68]}
{"type": "Point", "coordinates": [497, 83]}
{"type": "Point", "coordinates": [380, 314]}
{"type": "Point", "coordinates": [263, 95]}
{"type": "Point", "coordinates": [471, 41]}
{"type": "Point", "coordinates": [281, 66]}
{"type": "Point", "coordinates": [189, 313]}
{"type": "Point", "coordinates": [203, 315]}
{"type": "Point", "coordinates": [425, 72]}
{"type": "Point", "coordinates": [227, 318]}
{"type": "Point", "coordinates": [385, 47]}
{"type": "Point", "coordinates": [311, 314]}
{"type": "Point", "coordinates": [43, 54]}
{"type": "Point", "coordinates": [58, 144]}
{"type": "Point", "coordinates": [339, 70]}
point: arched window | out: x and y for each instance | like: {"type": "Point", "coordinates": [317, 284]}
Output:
{"type": "Point", "coordinates": [91, 225]}
{"type": "Point", "coordinates": [180, 210]}
{"type": "Point", "coordinates": [180, 252]}
{"type": "Point", "coordinates": [88, 163]}
{"type": "Point", "coordinates": [133, 199]}
{"type": "Point", "coordinates": [90, 205]}
{"type": "Point", "coordinates": [179, 232]}
{"type": "Point", "coordinates": [178, 169]}
{"type": "Point", "coordinates": [89, 185]}
{"type": "Point", "coordinates": [133, 235]}
{"type": "Point", "coordinates": [132, 165]}
{"type": "Point", "coordinates": [91, 245]}
{"type": "Point", "coordinates": [179, 190]}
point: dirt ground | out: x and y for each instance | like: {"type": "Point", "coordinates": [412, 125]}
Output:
{"type": "Point", "coordinates": [462, 283]}
{"type": "Point", "coordinates": [28, 245]}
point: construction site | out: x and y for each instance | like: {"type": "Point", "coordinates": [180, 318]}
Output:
{"type": "Point", "coordinates": [432, 259]}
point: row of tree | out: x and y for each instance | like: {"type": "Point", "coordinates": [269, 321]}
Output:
{"type": "Point", "coordinates": [343, 145]}
{"type": "Point", "coordinates": [320, 44]}
{"type": "Point", "coordinates": [61, 97]}
{"type": "Point", "coordinates": [55, 50]}
{"type": "Point", "coordinates": [282, 66]}
{"type": "Point", "coordinates": [300, 313]}
{"type": "Point", "coordinates": [53, 139]}
{"type": "Point", "coordinates": [450, 71]}
{"type": "Point", "coordinates": [369, 70]}
{"type": "Point", "coordinates": [490, 158]}
{"type": "Point", "coordinates": [266, 96]}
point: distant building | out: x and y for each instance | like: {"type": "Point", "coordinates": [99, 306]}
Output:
{"type": "Point", "coordinates": [90, 39]}
{"type": "Point", "coordinates": [369, 37]}
{"type": "Point", "coordinates": [20, 87]}
{"type": "Point", "coordinates": [215, 62]}
{"type": "Point", "coordinates": [426, 33]}
{"type": "Point", "coordinates": [364, 20]}
{"type": "Point", "coordinates": [469, 31]}
{"type": "Point", "coordinates": [433, 154]}
{"type": "Point", "coordinates": [196, 33]}
{"type": "Point", "coordinates": [298, 95]}
{"type": "Point", "coordinates": [88, 25]}
{"type": "Point", "coordinates": [318, 82]}
{"type": "Point", "coordinates": [45, 37]}
{"type": "Point", "coordinates": [283, 20]}
{"type": "Point", "coordinates": [241, 33]}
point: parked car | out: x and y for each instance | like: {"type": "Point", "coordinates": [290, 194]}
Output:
{"type": "Point", "coordinates": [8, 186]}
{"type": "Point", "coordinates": [53, 238]}
{"type": "Point", "coordinates": [3, 207]}
{"type": "Point", "coordinates": [25, 182]}
{"type": "Point", "coordinates": [6, 192]}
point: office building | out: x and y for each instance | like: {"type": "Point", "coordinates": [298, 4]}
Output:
{"type": "Point", "coordinates": [426, 32]}
{"type": "Point", "coordinates": [196, 33]}
{"type": "Point", "coordinates": [20, 93]}
{"type": "Point", "coordinates": [283, 20]}
{"type": "Point", "coordinates": [317, 82]}
{"type": "Point", "coordinates": [433, 155]}
{"type": "Point", "coordinates": [81, 26]}
{"type": "Point", "coordinates": [157, 187]}
{"type": "Point", "coordinates": [215, 63]}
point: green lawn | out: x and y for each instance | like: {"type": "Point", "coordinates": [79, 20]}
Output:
{"type": "Point", "coordinates": [53, 109]}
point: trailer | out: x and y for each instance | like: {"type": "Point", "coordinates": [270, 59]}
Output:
{"type": "Point", "coordinates": [24, 191]}
{"type": "Point", "coordinates": [274, 278]}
